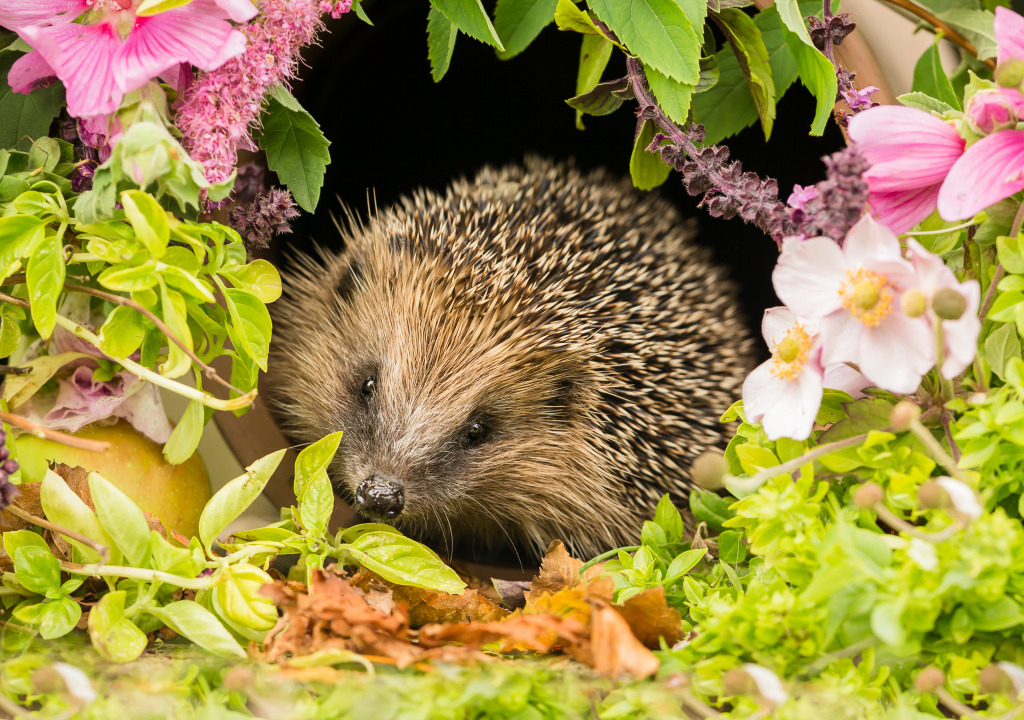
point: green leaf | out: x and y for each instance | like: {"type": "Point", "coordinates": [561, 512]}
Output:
{"type": "Point", "coordinates": [115, 637]}
{"type": "Point", "coordinates": [931, 79]}
{"type": "Point", "coordinates": [189, 618]}
{"type": "Point", "coordinates": [731, 548]}
{"type": "Point", "coordinates": [45, 278]}
{"type": "Point", "coordinates": [258, 277]}
{"type": "Point", "coordinates": [238, 494]}
{"type": "Point", "coordinates": [595, 52]}
{"type": "Point", "coordinates": [519, 22]}
{"type": "Point", "coordinates": [887, 624]}
{"type": "Point", "coordinates": [708, 507]}
{"type": "Point", "coordinates": [441, 36]}
{"type": "Point", "coordinates": [1003, 614]}
{"type": "Point", "coordinates": [238, 601]}
{"type": "Point", "coordinates": [403, 561]}
{"type": "Point", "coordinates": [171, 558]}
{"type": "Point", "coordinates": [658, 32]}
{"type": "Point", "coordinates": [18, 235]}
{"type": "Point", "coordinates": [1000, 346]}
{"type": "Point", "coordinates": [44, 153]}
{"type": "Point", "coordinates": [58, 617]}
{"type": "Point", "coordinates": [568, 17]}
{"type": "Point", "coordinates": [976, 26]}
{"type": "Point", "coordinates": [470, 17]}
{"type": "Point", "coordinates": [296, 149]}
{"type": "Point", "coordinates": [1010, 255]}
{"type": "Point", "coordinates": [250, 324]}
{"type": "Point", "coordinates": [667, 516]}
{"type": "Point", "coordinates": [673, 97]}
{"type": "Point", "coordinates": [647, 169]}
{"type": "Point", "coordinates": [25, 117]}
{"type": "Point", "coordinates": [748, 46]}
{"type": "Point", "coordinates": [816, 71]}
{"type": "Point", "coordinates": [121, 518]}
{"type": "Point", "coordinates": [14, 539]}
{"type": "Point", "coordinates": [148, 220]}
{"type": "Point", "coordinates": [603, 98]}
{"type": "Point", "coordinates": [122, 333]}
{"type": "Point", "coordinates": [924, 102]}
{"type": "Point", "coordinates": [753, 458]}
{"type": "Point", "coordinates": [130, 276]}
{"type": "Point", "coordinates": [175, 315]}
{"type": "Point", "coordinates": [312, 462]}
{"type": "Point", "coordinates": [63, 507]}
{"type": "Point", "coordinates": [10, 331]}
{"type": "Point", "coordinates": [682, 564]}
{"type": "Point", "coordinates": [185, 437]}
{"type": "Point", "coordinates": [36, 569]}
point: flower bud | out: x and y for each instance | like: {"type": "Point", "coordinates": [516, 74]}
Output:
{"type": "Point", "coordinates": [913, 303]}
{"type": "Point", "coordinates": [1002, 677]}
{"type": "Point", "coordinates": [962, 498]}
{"type": "Point", "coordinates": [868, 495]}
{"type": "Point", "coordinates": [709, 470]}
{"type": "Point", "coordinates": [238, 600]}
{"type": "Point", "coordinates": [1010, 73]}
{"type": "Point", "coordinates": [948, 304]}
{"type": "Point", "coordinates": [991, 110]}
{"type": "Point", "coordinates": [63, 679]}
{"type": "Point", "coordinates": [931, 496]}
{"type": "Point", "coordinates": [903, 415]}
{"type": "Point", "coordinates": [929, 680]}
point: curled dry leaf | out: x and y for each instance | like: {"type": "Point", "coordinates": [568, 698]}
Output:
{"type": "Point", "coordinates": [430, 606]}
{"type": "Point", "coordinates": [650, 618]}
{"type": "Point", "coordinates": [613, 649]}
{"type": "Point", "coordinates": [559, 570]}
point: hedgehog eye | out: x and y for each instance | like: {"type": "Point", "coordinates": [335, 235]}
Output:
{"type": "Point", "coordinates": [476, 433]}
{"type": "Point", "coordinates": [369, 388]}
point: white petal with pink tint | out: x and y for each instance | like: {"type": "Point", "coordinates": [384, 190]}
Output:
{"type": "Point", "coordinates": [896, 354]}
{"type": "Point", "coordinates": [238, 10]}
{"type": "Point", "coordinates": [808, 275]}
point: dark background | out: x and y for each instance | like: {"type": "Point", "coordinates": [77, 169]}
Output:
{"type": "Point", "coordinates": [393, 129]}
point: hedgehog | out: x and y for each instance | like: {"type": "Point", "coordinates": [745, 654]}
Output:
{"type": "Point", "coordinates": [536, 354]}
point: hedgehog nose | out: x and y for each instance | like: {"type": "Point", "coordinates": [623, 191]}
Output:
{"type": "Point", "coordinates": [381, 496]}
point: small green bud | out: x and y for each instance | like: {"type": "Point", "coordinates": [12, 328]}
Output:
{"type": "Point", "coordinates": [932, 496]}
{"type": "Point", "coordinates": [929, 680]}
{"type": "Point", "coordinates": [948, 304]}
{"type": "Point", "coordinates": [239, 601]}
{"type": "Point", "coordinates": [709, 470]}
{"type": "Point", "coordinates": [1010, 73]}
{"type": "Point", "coordinates": [903, 415]}
{"type": "Point", "coordinates": [868, 495]}
{"type": "Point", "coordinates": [913, 303]}
{"type": "Point", "coordinates": [1002, 677]}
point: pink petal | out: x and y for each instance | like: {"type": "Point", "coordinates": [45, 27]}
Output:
{"type": "Point", "coordinates": [776, 323]}
{"type": "Point", "coordinates": [840, 338]}
{"type": "Point", "coordinates": [194, 33]}
{"type": "Point", "coordinates": [868, 243]}
{"type": "Point", "coordinates": [896, 354]}
{"type": "Point", "coordinates": [28, 71]}
{"type": "Point", "coordinates": [80, 56]}
{"type": "Point", "coordinates": [919, 167]}
{"type": "Point", "coordinates": [917, 146]}
{"type": "Point", "coordinates": [808, 276]}
{"type": "Point", "coordinates": [237, 10]}
{"type": "Point", "coordinates": [900, 211]}
{"type": "Point", "coordinates": [989, 171]}
{"type": "Point", "coordinates": [16, 14]}
{"type": "Point", "coordinates": [1009, 31]}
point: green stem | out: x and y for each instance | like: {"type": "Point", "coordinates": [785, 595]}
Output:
{"type": "Point", "coordinates": [605, 556]}
{"type": "Point", "coordinates": [936, 450]}
{"type": "Point", "coordinates": [120, 571]}
{"type": "Point", "coordinates": [753, 483]}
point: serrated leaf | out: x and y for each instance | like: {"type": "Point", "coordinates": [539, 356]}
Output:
{"type": "Point", "coordinates": [25, 117]}
{"type": "Point", "coordinates": [470, 17]}
{"type": "Point", "coordinates": [595, 51]}
{"type": "Point", "coordinates": [658, 32]}
{"type": "Point", "coordinates": [441, 36]}
{"type": "Point", "coordinates": [231, 500]}
{"type": "Point", "coordinates": [673, 97]}
{"type": "Point", "coordinates": [817, 73]}
{"type": "Point", "coordinates": [519, 22]}
{"type": "Point", "coordinates": [745, 38]}
{"type": "Point", "coordinates": [296, 148]}
{"type": "Point", "coordinates": [930, 77]}
{"type": "Point", "coordinates": [646, 169]}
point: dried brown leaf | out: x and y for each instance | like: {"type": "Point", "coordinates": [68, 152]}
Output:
{"type": "Point", "coordinates": [650, 618]}
{"type": "Point", "coordinates": [559, 570]}
{"type": "Point", "coordinates": [614, 649]}
{"type": "Point", "coordinates": [539, 633]}
{"type": "Point", "coordinates": [430, 606]}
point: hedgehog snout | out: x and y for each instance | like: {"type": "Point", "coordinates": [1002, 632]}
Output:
{"type": "Point", "coordinates": [380, 496]}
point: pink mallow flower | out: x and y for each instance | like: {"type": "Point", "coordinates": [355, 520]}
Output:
{"type": "Point", "coordinates": [854, 293]}
{"type": "Point", "coordinates": [940, 296]}
{"type": "Point", "coordinates": [115, 51]}
{"type": "Point", "coordinates": [784, 393]}
{"type": "Point", "coordinates": [992, 168]}
{"type": "Point", "coordinates": [996, 109]}
{"type": "Point", "coordinates": [910, 152]}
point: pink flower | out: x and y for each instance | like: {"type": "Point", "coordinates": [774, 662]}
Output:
{"type": "Point", "coordinates": [855, 295]}
{"type": "Point", "coordinates": [960, 335]}
{"type": "Point", "coordinates": [784, 393]}
{"type": "Point", "coordinates": [910, 153]}
{"type": "Point", "coordinates": [117, 51]}
{"type": "Point", "coordinates": [800, 196]}
{"type": "Point", "coordinates": [1009, 32]}
{"type": "Point", "coordinates": [997, 109]}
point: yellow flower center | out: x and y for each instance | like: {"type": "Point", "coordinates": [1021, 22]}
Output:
{"type": "Point", "coordinates": [866, 295]}
{"type": "Point", "coordinates": [790, 355]}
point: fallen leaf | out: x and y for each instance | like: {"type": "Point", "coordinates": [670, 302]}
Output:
{"type": "Point", "coordinates": [614, 650]}
{"type": "Point", "coordinates": [650, 618]}
{"type": "Point", "coordinates": [539, 633]}
{"type": "Point", "coordinates": [511, 592]}
{"type": "Point", "coordinates": [559, 570]}
{"type": "Point", "coordinates": [430, 606]}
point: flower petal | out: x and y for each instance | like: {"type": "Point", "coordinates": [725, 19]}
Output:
{"type": "Point", "coordinates": [960, 337]}
{"type": "Point", "coordinates": [906, 147]}
{"type": "Point", "coordinates": [237, 10]}
{"type": "Point", "coordinates": [869, 243]}
{"type": "Point", "coordinates": [761, 392]}
{"type": "Point", "coordinates": [793, 413]}
{"type": "Point", "coordinates": [896, 354]}
{"type": "Point", "coordinates": [1009, 31]}
{"type": "Point", "coordinates": [16, 14]}
{"type": "Point", "coordinates": [776, 323]}
{"type": "Point", "coordinates": [900, 211]}
{"type": "Point", "coordinates": [840, 338]}
{"type": "Point", "coordinates": [195, 33]}
{"type": "Point", "coordinates": [988, 171]}
{"type": "Point", "coordinates": [27, 72]}
{"type": "Point", "coordinates": [80, 56]}
{"type": "Point", "coordinates": [808, 275]}
{"type": "Point", "coordinates": [845, 378]}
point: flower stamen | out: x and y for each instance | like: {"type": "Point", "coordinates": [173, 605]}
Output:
{"type": "Point", "coordinates": [790, 354]}
{"type": "Point", "coordinates": [866, 295]}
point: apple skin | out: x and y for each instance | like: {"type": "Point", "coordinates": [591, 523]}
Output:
{"type": "Point", "coordinates": [174, 494]}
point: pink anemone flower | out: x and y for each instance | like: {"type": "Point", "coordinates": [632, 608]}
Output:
{"type": "Point", "coordinates": [910, 153]}
{"type": "Point", "coordinates": [114, 50]}
{"type": "Point", "coordinates": [855, 295]}
{"type": "Point", "coordinates": [784, 393]}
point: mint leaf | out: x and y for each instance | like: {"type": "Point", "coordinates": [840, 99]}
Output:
{"type": "Point", "coordinates": [296, 148]}
{"type": "Point", "coordinates": [673, 97]}
{"type": "Point", "coordinates": [816, 72]}
{"type": "Point", "coordinates": [647, 169]}
{"type": "Point", "coordinates": [519, 22]}
{"type": "Point", "coordinates": [658, 32]}
{"type": "Point", "coordinates": [470, 17]}
{"type": "Point", "coordinates": [441, 35]}
{"type": "Point", "coordinates": [748, 45]}
{"type": "Point", "coordinates": [24, 118]}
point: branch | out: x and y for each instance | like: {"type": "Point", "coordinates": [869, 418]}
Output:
{"type": "Point", "coordinates": [947, 31]}
{"type": "Point", "coordinates": [120, 571]}
{"type": "Point", "coordinates": [100, 548]}
{"type": "Point", "coordinates": [42, 431]}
